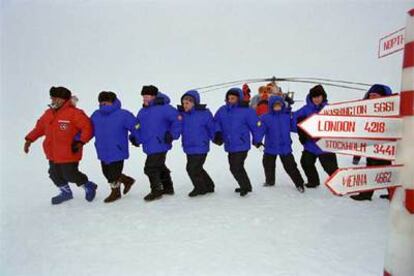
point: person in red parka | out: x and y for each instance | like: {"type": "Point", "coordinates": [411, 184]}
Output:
{"type": "Point", "coordinates": [66, 129]}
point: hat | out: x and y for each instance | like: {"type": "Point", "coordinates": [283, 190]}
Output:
{"type": "Point", "coordinates": [380, 89]}
{"type": "Point", "coordinates": [234, 92]}
{"type": "Point", "coordinates": [149, 90]}
{"type": "Point", "coordinates": [60, 92]}
{"type": "Point", "coordinates": [317, 91]}
{"type": "Point", "coordinates": [107, 96]}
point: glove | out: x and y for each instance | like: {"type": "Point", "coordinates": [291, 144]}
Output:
{"type": "Point", "coordinates": [133, 141]}
{"type": "Point", "coordinates": [356, 160]}
{"type": "Point", "coordinates": [168, 138]}
{"type": "Point", "coordinates": [218, 139]}
{"type": "Point", "coordinates": [258, 145]}
{"type": "Point", "coordinates": [76, 146]}
{"type": "Point", "coordinates": [27, 146]}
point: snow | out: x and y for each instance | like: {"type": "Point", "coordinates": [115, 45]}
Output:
{"type": "Point", "coordinates": [90, 46]}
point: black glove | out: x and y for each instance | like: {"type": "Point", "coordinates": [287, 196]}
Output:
{"type": "Point", "coordinates": [356, 160]}
{"type": "Point", "coordinates": [218, 139]}
{"type": "Point", "coordinates": [258, 145]}
{"type": "Point", "coordinates": [168, 137]}
{"type": "Point", "coordinates": [76, 146]}
{"type": "Point", "coordinates": [27, 146]}
{"type": "Point", "coordinates": [133, 141]}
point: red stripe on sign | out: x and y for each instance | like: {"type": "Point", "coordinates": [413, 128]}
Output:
{"type": "Point", "coordinates": [411, 12]}
{"type": "Point", "coordinates": [407, 103]}
{"type": "Point", "coordinates": [408, 60]}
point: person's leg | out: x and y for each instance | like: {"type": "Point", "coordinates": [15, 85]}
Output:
{"type": "Point", "coordinates": [236, 161]}
{"type": "Point", "coordinates": [308, 161]}
{"type": "Point", "coordinates": [71, 173]}
{"type": "Point", "coordinates": [329, 162]}
{"type": "Point", "coordinates": [269, 166]}
{"type": "Point", "coordinates": [152, 169]}
{"type": "Point", "coordinates": [291, 168]}
{"type": "Point", "coordinates": [55, 175]}
{"type": "Point", "coordinates": [127, 181]}
{"type": "Point", "coordinates": [208, 182]}
{"type": "Point", "coordinates": [112, 172]}
{"type": "Point", "coordinates": [194, 169]}
{"type": "Point", "coordinates": [165, 174]}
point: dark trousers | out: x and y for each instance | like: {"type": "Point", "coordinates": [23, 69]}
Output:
{"type": "Point", "coordinates": [236, 161]}
{"type": "Point", "coordinates": [289, 164]}
{"type": "Point", "coordinates": [308, 160]}
{"type": "Point", "coordinates": [374, 162]}
{"type": "Point", "coordinates": [199, 177]}
{"type": "Point", "coordinates": [113, 170]}
{"type": "Point", "coordinates": [63, 173]}
{"type": "Point", "coordinates": [157, 172]}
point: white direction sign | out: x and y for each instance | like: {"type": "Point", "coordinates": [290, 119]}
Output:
{"type": "Point", "coordinates": [384, 106]}
{"type": "Point", "coordinates": [362, 147]}
{"type": "Point", "coordinates": [391, 43]}
{"type": "Point", "coordinates": [352, 180]}
{"type": "Point", "coordinates": [326, 126]}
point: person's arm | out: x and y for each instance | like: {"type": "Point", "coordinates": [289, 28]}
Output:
{"type": "Point", "coordinates": [255, 126]}
{"type": "Point", "coordinates": [37, 132]}
{"type": "Point", "coordinates": [174, 118]}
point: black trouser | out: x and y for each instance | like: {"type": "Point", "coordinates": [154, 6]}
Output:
{"type": "Point", "coordinates": [308, 160]}
{"type": "Point", "coordinates": [157, 172]}
{"type": "Point", "coordinates": [236, 161]}
{"type": "Point", "coordinates": [374, 162]}
{"type": "Point", "coordinates": [63, 173]}
{"type": "Point", "coordinates": [289, 164]}
{"type": "Point", "coordinates": [199, 177]}
{"type": "Point", "coordinates": [113, 170]}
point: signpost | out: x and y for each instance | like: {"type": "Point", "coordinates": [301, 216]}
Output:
{"type": "Point", "coordinates": [386, 150]}
{"type": "Point", "coordinates": [391, 43]}
{"type": "Point", "coordinates": [352, 180]}
{"type": "Point", "coordinates": [325, 126]}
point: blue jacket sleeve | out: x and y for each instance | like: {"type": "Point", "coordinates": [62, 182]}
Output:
{"type": "Point", "coordinates": [210, 125]}
{"type": "Point", "coordinates": [175, 121]}
{"type": "Point", "coordinates": [129, 121]}
{"type": "Point", "coordinates": [254, 125]}
{"type": "Point", "coordinates": [217, 121]}
{"type": "Point", "coordinates": [262, 129]}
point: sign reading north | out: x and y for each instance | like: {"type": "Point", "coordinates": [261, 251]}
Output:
{"type": "Point", "coordinates": [386, 150]}
{"type": "Point", "coordinates": [384, 106]}
{"type": "Point", "coordinates": [326, 126]}
{"type": "Point", "coordinates": [353, 180]}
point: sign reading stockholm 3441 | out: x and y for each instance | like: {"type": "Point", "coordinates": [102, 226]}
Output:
{"type": "Point", "coordinates": [326, 126]}
{"type": "Point", "coordinates": [384, 106]}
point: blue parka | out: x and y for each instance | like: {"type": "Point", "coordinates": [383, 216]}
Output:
{"type": "Point", "coordinates": [236, 123]}
{"type": "Point", "coordinates": [197, 126]}
{"type": "Point", "coordinates": [304, 112]}
{"type": "Point", "coordinates": [111, 125]}
{"type": "Point", "coordinates": [154, 121]}
{"type": "Point", "coordinates": [276, 128]}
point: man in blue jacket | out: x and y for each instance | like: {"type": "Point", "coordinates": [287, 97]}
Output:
{"type": "Point", "coordinates": [235, 121]}
{"type": "Point", "coordinates": [315, 101]}
{"type": "Point", "coordinates": [158, 124]}
{"type": "Point", "coordinates": [276, 127]}
{"type": "Point", "coordinates": [111, 126]}
{"type": "Point", "coordinates": [197, 130]}
{"type": "Point", "coordinates": [375, 91]}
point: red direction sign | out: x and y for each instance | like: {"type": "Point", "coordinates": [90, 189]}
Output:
{"type": "Point", "coordinates": [326, 126]}
{"type": "Point", "coordinates": [384, 106]}
{"type": "Point", "coordinates": [362, 147]}
{"type": "Point", "coordinates": [353, 180]}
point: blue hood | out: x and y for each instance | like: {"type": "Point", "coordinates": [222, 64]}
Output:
{"type": "Point", "coordinates": [309, 102]}
{"type": "Point", "coordinates": [161, 99]}
{"type": "Point", "coordinates": [194, 94]}
{"type": "Point", "coordinates": [236, 91]}
{"type": "Point", "coordinates": [107, 109]}
{"type": "Point", "coordinates": [381, 89]}
{"type": "Point", "coordinates": [276, 99]}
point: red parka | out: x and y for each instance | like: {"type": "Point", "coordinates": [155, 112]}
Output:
{"type": "Point", "coordinates": [60, 128]}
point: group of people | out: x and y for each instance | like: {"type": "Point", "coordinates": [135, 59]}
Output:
{"type": "Point", "coordinates": [241, 122]}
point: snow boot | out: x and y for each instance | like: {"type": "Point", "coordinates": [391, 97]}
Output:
{"type": "Point", "coordinates": [65, 195]}
{"type": "Point", "coordinates": [115, 192]}
{"type": "Point", "coordinates": [153, 195]}
{"type": "Point", "coordinates": [168, 188]}
{"type": "Point", "coordinates": [244, 192]}
{"type": "Point", "coordinates": [361, 196]}
{"type": "Point", "coordinates": [311, 185]}
{"type": "Point", "coordinates": [300, 188]}
{"type": "Point", "coordinates": [268, 184]}
{"type": "Point", "coordinates": [238, 190]}
{"type": "Point", "coordinates": [127, 181]}
{"type": "Point", "coordinates": [90, 190]}
{"type": "Point", "coordinates": [196, 192]}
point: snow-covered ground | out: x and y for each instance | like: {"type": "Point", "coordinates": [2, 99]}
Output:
{"type": "Point", "coordinates": [90, 46]}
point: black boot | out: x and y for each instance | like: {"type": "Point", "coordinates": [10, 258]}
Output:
{"type": "Point", "coordinates": [153, 195]}
{"type": "Point", "coordinates": [361, 196]}
{"type": "Point", "coordinates": [127, 181]}
{"type": "Point", "coordinates": [168, 188]}
{"type": "Point", "coordinates": [300, 188]}
{"type": "Point", "coordinates": [311, 185]}
{"type": "Point", "coordinates": [196, 192]}
{"type": "Point", "coordinates": [114, 195]}
{"type": "Point", "coordinates": [238, 190]}
{"type": "Point", "coordinates": [244, 192]}
{"type": "Point", "coordinates": [268, 184]}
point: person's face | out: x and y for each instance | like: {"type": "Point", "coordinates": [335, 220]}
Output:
{"type": "Point", "coordinates": [232, 99]}
{"type": "Point", "coordinates": [57, 102]}
{"type": "Point", "coordinates": [148, 99]}
{"type": "Point", "coordinates": [277, 106]}
{"type": "Point", "coordinates": [187, 105]}
{"type": "Point", "coordinates": [105, 103]}
{"type": "Point", "coordinates": [317, 100]}
{"type": "Point", "coordinates": [374, 96]}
